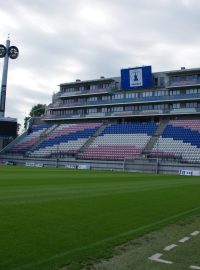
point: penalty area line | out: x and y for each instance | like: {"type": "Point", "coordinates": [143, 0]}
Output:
{"type": "Point", "coordinates": [184, 239]}
{"type": "Point", "coordinates": [168, 248]}
{"type": "Point", "coordinates": [195, 233]}
{"type": "Point", "coordinates": [194, 267]}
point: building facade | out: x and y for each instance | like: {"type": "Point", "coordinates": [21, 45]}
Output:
{"type": "Point", "coordinates": [137, 93]}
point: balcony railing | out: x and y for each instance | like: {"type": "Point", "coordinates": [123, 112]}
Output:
{"type": "Point", "coordinates": [123, 101]}
{"type": "Point", "coordinates": [184, 83]}
{"type": "Point", "coordinates": [86, 92]}
{"type": "Point", "coordinates": [124, 113]}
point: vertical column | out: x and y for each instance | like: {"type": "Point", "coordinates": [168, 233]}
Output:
{"type": "Point", "coordinates": [4, 81]}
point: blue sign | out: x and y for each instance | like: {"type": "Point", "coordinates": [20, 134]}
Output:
{"type": "Point", "coordinates": [140, 77]}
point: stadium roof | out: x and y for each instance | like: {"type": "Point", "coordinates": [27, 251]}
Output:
{"type": "Point", "coordinates": [101, 79]}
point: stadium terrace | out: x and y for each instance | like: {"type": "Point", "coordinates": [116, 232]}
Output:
{"type": "Point", "coordinates": [137, 121]}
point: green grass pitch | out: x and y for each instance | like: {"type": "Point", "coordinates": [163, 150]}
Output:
{"type": "Point", "coordinates": [54, 217]}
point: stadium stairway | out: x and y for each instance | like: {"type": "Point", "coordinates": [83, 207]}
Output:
{"type": "Point", "coordinates": [65, 140]}
{"type": "Point", "coordinates": [120, 142]}
{"type": "Point", "coordinates": [43, 136]}
{"type": "Point", "coordinates": [180, 140]}
{"type": "Point", "coordinates": [155, 137]}
{"type": "Point", "coordinates": [90, 140]}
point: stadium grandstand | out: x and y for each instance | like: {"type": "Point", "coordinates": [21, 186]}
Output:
{"type": "Point", "coordinates": [138, 121]}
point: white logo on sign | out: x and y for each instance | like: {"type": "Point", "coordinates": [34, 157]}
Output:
{"type": "Point", "coordinates": [135, 77]}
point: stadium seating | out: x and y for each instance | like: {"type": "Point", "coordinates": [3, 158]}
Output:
{"type": "Point", "coordinates": [66, 139]}
{"type": "Point", "coordinates": [180, 138]}
{"type": "Point", "coordinates": [28, 141]}
{"type": "Point", "coordinates": [120, 141]}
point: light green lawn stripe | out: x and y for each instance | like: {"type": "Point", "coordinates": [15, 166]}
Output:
{"type": "Point", "coordinates": [65, 195]}
{"type": "Point", "coordinates": [104, 185]}
{"type": "Point", "coordinates": [95, 188]}
{"type": "Point", "coordinates": [105, 240]}
{"type": "Point", "coordinates": [28, 187]}
{"type": "Point", "coordinates": [92, 187]}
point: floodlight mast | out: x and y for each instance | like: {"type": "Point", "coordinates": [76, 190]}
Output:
{"type": "Point", "coordinates": [6, 52]}
{"type": "Point", "coordinates": [4, 81]}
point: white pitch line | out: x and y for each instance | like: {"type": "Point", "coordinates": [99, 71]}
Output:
{"type": "Point", "coordinates": [194, 267]}
{"type": "Point", "coordinates": [105, 240]}
{"type": "Point", "coordinates": [184, 239]}
{"type": "Point", "coordinates": [156, 257]}
{"type": "Point", "coordinates": [168, 248]}
{"type": "Point", "coordinates": [195, 233]}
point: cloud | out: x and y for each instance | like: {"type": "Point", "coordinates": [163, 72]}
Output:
{"type": "Point", "coordinates": [60, 41]}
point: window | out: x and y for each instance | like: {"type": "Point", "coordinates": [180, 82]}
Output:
{"type": "Point", "coordinates": [81, 88]}
{"type": "Point", "coordinates": [161, 93]}
{"type": "Point", "coordinates": [100, 86]}
{"type": "Point", "coordinates": [70, 89]}
{"type": "Point", "coordinates": [65, 112]}
{"type": "Point", "coordinates": [93, 86]}
{"type": "Point", "coordinates": [105, 97]}
{"type": "Point", "coordinates": [92, 110]}
{"type": "Point", "coordinates": [80, 111]}
{"type": "Point", "coordinates": [147, 94]}
{"type": "Point", "coordinates": [81, 100]}
{"type": "Point", "coordinates": [63, 90]}
{"type": "Point", "coordinates": [129, 108]}
{"type": "Point", "coordinates": [174, 92]}
{"type": "Point", "coordinates": [176, 106]}
{"type": "Point", "coordinates": [92, 99]}
{"type": "Point", "coordinates": [131, 95]}
{"type": "Point", "coordinates": [117, 109]}
{"type": "Point", "coordinates": [118, 96]}
{"type": "Point", "coordinates": [191, 105]}
{"type": "Point", "coordinates": [191, 77]}
{"type": "Point", "coordinates": [104, 109]}
{"type": "Point", "coordinates": [159, 106]}
{"type": "Point", "coordinates": [105, 85]}
{"type": "Point", "coordinates": [156, 81]}
{"type": "Point", "coordinates": [68, 101]}
{"type": "Point", "coordinates": [174, 79]}
{"type": "Point", "coordinates": [162, 81]}
{"type": "Point", "coordinates": [86, 87]}
{"type": "Point", "coordinates": [193, 91]}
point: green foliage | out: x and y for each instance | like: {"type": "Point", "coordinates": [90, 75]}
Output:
{"type": "Point", "coordinates": [54, 217]}
{"type": "Point", "coordinates": [37, 110]}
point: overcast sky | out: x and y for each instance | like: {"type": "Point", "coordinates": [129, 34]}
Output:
{"type": "Point", "coordinates": [64, 40]}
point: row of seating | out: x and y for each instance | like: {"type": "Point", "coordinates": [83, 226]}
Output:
{"type": "Point", "coordinates": [120, 141]}
{"type": "Point", "coordinates": [66, 138]}
{"type": "Point", "coordinates": [180, 138]}
{"type": "Point", "coordinates": [30, 139]}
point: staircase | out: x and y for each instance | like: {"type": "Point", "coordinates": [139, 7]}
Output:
{"type": "Point", "coordinates": [91, 139]}
{"type": "Point", "coordinates": [43, 135]}
{"type": "Point", "coordinates": [153, 140]}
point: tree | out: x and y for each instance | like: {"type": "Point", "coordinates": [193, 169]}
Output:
{"type": "Point", "coordinates": [36, 111]}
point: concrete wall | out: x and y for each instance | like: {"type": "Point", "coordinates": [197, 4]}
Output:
{"type": "Point", "coordinates": [143, 165]}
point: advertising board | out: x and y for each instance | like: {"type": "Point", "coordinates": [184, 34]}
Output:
{"type": "Point", "coordinates": [139, 77]}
